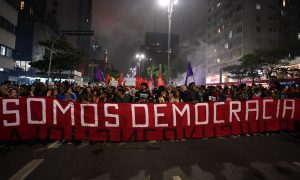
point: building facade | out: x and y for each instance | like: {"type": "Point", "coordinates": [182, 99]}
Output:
{"type": "Point", "coordinates": [238, 27]}
{"type": "Point", "coordinates": [73, 15]}
{"type": "Point", "coordinates": [156, 49]}
{"type": "Point", "coordinates": [76, 15]}
{"type": "Point", "coordinates": [8, 23]}
{"type": "Point", "coordinates": [33, 26]}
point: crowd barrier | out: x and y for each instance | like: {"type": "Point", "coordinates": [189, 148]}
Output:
{"type": "Point", "coordinates": [46, 118]}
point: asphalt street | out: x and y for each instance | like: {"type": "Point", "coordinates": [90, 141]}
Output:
{"type": "Point", "coordinates": [245, 157]}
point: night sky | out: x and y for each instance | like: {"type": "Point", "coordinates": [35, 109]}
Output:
{"type": "Point", "coordinates": [121, 25]}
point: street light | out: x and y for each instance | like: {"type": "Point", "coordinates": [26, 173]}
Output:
{"type": "Point", "coordinates": [169, 4]}
{"type": "Point", "coordinates": [140, 57]}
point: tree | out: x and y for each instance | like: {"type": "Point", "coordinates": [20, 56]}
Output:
{"type": "Point", "coordinates": [153, 71]}
{"type": "Point", "coordinates": [252, 65]}
{"type": "Point", "coordinates": [109, 70]}
{"type": "Point", "coordinates": [271, 60]}
{"type": "Point", "coordinates": [236, 72]}
{"type": "Point", "coordinates": [65, 57]}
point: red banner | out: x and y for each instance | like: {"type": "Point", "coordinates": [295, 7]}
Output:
{"type": "Point", "coordinates": [45, 118]}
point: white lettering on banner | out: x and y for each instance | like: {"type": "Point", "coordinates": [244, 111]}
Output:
{"type": "Point", "coordinates": [215, 112]}
{"type": "Point", "coordinates": [156, 115]}
{"type": "Point", "coordinates": [6, 111]}
{"type": "Point", "coordinates": [265, 101]}
{"type": "Point", "coordinates": [254, 109]}
{"type": "Point", "coordinates": [197, 122]}
{"type": "Point", "coordinates": [134, 124]}
{"type": "Point", "coordinates": [29, 118]}
{"type": "Point", "coordinates": [63, 110]}
{"type": "Point", "coordinates": [107, 114]}
{"type": "Point", "coordinates": [234, 111]}
{"type": "Point", "coordinates": [83, 123]}
{"type": "Point", "coordinates": [186, 108]}
{"type": "Point", "coordinates": [285, 107]}
{"type": "Point", "coordinates": [278, 108]}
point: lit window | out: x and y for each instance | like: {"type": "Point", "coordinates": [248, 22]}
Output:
{"type": "Point", "coordinates": [22, 5]}
{"type": "Point", "coordinates": [258, 7]}
{"type": "Point", "coordinates": [215, 50]}
{"type": "Point", "coordinates": [226, 46]}
{"type": "Point", "coordinates": [298, 36]}
{"type": "Point", "coordinates": [219, 30]}
{"type": "Point", "coordinates": [283, 3]}
{"type": "Point", "coordinates": [230, 35]}
{"type": "Point", "coordinates": [31, 12]}
{"type": "Point", "coordinates": [3, 51]}
{"type": "Point", "coordinates": [9, 52]}
{"type": "Point", "coordinates": [219, 4]}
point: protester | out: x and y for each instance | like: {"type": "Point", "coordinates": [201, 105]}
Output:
{"type": "Point", "coordinates": [143, 95]}
{"type": "Point", "coordinates": [163, 94]}
{"type": "Point", "coordinates": [67, 95]}
{"type": "Point", "coordinates": [13, 93]}
{"type": "Point", "coordinates": [192, 94]}
{"type": "Point", "coordinates": [257, 94]}
{"type": "Point", "coordinates": [121, 97]}
{"type": "Point", "coordinates": [176, 98]}
{"type": "Point", "coordinates": [89, 95]}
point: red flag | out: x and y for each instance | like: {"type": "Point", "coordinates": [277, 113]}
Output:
{"type": "Point", "coordinates": [138, 80]}
{"type": "Point", "coordinates": [150, 84]}
{"type": "Point", "coordinates": [160, 81]}
{"type": "Point", "coordinates": [121, 79]}
{"type": "Point", "coordinates": [107, 79]}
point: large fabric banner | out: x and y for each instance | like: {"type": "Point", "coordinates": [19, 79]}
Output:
{"type": "Point", "coordinates": [45, 118]}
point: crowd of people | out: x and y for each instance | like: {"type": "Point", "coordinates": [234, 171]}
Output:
{"type": "Point", "coordinates": [162, 94]}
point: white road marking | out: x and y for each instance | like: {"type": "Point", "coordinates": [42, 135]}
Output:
{"type": "Point", "coordinates": [121, 144]}
{"type": "Point", "coordinates": [39, 150]}
{"type": "Point", "coordinates": [176, 178]}
{"type": "Point", "coordinates": [54, 145]}
{"type": "Point", "coordinates": [27, 169]}
{"type": "Point", "coordinates": [82, 145]}
{"type": "Point", "coordinates": [296, 163]}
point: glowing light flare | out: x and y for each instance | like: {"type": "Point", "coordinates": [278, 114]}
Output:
{"type": "Point", "coordinates": [165, 3]}
{"type": "Point", "coordinates": [140, 56]}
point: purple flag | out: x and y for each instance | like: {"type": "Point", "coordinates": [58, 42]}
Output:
{"type": "Point", "coordinates": [189, 73]}
{"type": "Point", "coordinates": [99, 75]}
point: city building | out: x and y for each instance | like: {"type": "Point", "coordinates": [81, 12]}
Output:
{"type": "Point", "coordinates": [236, 28]}
{"type": "Point", "coordinates": [8, 23]}
{"type": "Point", "coordinates": [34, 25]}
{"type": "Point", "coordinates": [156, 49]}
{"type": "Point", "coordinates": [40, 20]}
{"type": "Point", "coordinates": [73, 15]}
{"type": "Point", "coordinates": [76, 15]}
